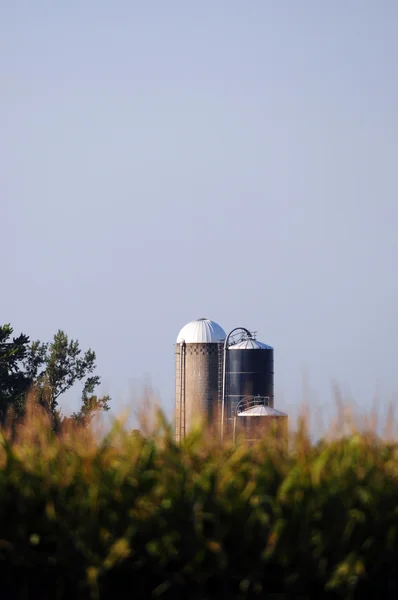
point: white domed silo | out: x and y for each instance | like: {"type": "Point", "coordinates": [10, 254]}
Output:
{"type": "Point", "coordinates": [198, 374]}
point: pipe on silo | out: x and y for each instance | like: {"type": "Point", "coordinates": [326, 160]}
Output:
{"type": "Point", "coordinates": [224, 374]}
{"type": "Point", "coordinates": [180, 414]}
{"type": "Point", "coordinates": [182, 387]}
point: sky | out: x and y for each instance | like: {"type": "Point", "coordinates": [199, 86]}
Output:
{"type": "Point", "coordinates": [166, 161]}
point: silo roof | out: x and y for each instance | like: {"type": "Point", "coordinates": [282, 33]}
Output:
{"type": "Point", "coordinates": [201, 331]}
{"type": "Point", "coordinates": [261, 411]}
{"type": "Point", "coordinates": [250, 344]}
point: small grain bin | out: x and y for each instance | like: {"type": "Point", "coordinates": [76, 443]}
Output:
{"type": "Point", "coordinates": [255, 418]}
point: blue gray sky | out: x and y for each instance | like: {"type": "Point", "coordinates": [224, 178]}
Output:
{"type": "Point", "coordinates": [164, 161]}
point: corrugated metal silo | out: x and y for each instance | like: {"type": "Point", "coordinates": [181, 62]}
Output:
{"type": "Point", "coordinates": [198, 374]}
{"type": "Point", "coordinates": [257, 418]}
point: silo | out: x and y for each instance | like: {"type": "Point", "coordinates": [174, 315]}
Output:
{"type": "Point", "coordinates": [256, 419]}
{"type": "Point", "coordinates": [250, 372]}
{"type": "Point", "coordinates": [198, 374]}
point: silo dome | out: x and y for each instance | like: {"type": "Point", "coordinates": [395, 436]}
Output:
{"type": "Point", "coordinates": [261, 411]}
{"type": "Point", "coordinates": [201, 331]}
{"type": "Point", "coordinates": [250, 344]}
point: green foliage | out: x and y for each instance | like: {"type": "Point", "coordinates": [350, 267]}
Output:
{"type": "Point", "coordinates": [139, 516]}
{"type": "Point", "coordinates": [49, 369]}
{"type": "Point", "coordinates": [64, 365]}
{"type": "Point", "coordinates": [14, 381]}
{"type": "Point", "coordinates": [91, 405]}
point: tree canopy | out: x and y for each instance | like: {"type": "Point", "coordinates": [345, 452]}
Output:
{"type": "Point", "coordinates": [49, 369]}
{"type": "Point", "coordinates": [14, 380]}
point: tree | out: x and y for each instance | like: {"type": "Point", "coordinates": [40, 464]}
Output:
{"type": "Point", "coordinates": [50, 369]}
{"type": "Point", "coordinates": [91, 405]}
{"type": "Point", "coordinates": [14, 381]}
{"type": "Point", "coordinates": [64, 365]}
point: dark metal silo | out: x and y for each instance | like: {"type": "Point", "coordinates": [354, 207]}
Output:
{"type": "Point", "coordinates": [250, 372]}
